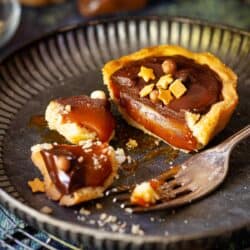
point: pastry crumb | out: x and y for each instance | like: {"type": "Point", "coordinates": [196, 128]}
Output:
{"type": "Point", "coordinates": [98, 206]}
{"type": "Point", "coordinates": [144, 194]}
{"type": "Point", "coordinates": [46, 210]}
{"type": "Point", "coordinates": [37, 185]}
{"type": "Point", "coordinates": [84, 211]}
{"type": "Point", "coordinates": [120, 155]}
{"type": "Point", "coordinates": [68, 108]}
{"type": "Point", "coordinates": [132, 143]}
{"type": "Point", "coordinates": [136, 229]}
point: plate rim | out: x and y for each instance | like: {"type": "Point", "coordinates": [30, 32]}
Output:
{"type": "Point", "coordinates": [41, 220]}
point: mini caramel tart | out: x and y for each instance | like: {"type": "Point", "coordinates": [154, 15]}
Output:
{"type": "Point", "coordinates": [80, 118]}
{"type": "Point", "coordinates": [75, 173]}
{"type": "Point", "coordinates": [178, 96]}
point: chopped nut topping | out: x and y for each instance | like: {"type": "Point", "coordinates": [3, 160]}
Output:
{"type": "Point", "coordinates": [131, 144]}
{"type": "Point", "coordinates": [168, 66]}
{"type": "Point", "coordinates": [146, 90]}
{"type": "Point", "coordinates": [98, 94]}
{"type": "Point", "coordinates": [177, 88]}
{"type": "Point", "coordinates": [165, 96]}
{"type": "Point", "coordinates": [164, 81]}
{"type": "Point", "coordinates": [146, 73]}
{"type": "Point", "coordinates": [36, 185]}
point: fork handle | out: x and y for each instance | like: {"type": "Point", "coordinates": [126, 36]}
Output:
{"type": "Point", "coordinates": [233, 140]}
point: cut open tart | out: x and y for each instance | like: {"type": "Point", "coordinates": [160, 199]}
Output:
{"type": "Point", "coordinates": [181, 97]}
{"type": "Point", "coordinates": [75, 173]}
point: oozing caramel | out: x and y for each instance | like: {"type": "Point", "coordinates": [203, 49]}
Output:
{"type": "Point", "coordinates": [203, 90]}
{"type": "Point", "coordinates": [73, 167]}
{"type": "Point", "coordinates": [93, 114]}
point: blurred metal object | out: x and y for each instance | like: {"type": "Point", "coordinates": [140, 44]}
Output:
{"type": "Point", "coordinates": [99, 7]}
{"type": "Point", "coordinates": [10, 12]}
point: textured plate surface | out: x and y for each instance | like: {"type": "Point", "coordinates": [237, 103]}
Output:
{"type": "Point", "coordinates": [69, 62]}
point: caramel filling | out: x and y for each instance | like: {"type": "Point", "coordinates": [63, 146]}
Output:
{"type": "Point", "coordinates": [93, 114]}
{"type": "Point", "coordinates": [73, 167]}
{"type": "Point", "coordinates": [203, 89]}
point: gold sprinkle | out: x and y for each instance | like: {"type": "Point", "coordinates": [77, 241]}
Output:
{"type": "Point", "coordinates": [177, 88]}
{"type": "Point", "coordinates": [164, 81]}
{"type": "Point", "coordinates": [165, 96]}
{"type": "Point", "coordinates": [146, 73]}
{"type": "Point", "coordinates": [146, 90]}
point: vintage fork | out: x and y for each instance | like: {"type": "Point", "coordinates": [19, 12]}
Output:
{"type": "Point", "coordinates": [199, 175]}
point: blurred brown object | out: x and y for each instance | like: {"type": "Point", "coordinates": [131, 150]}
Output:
{"type": "Point", "coordinates": [39, 2]}
{"type": "Point", "coordinates": [99, 7]}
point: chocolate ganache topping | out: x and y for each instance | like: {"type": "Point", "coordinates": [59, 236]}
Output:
{"type": "Point", "coordinates": [203, 85]}
{"type": "Point", "coordinates": [72, 167]}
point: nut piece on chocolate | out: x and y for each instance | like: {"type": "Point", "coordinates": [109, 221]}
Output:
{"type": "Point", "coordinates": [162, 90]}
{"type": "Point", "coordinates": [80, 118]}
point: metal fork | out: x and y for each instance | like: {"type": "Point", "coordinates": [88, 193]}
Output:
{"type": "Point", "coordinates": [199, 175]}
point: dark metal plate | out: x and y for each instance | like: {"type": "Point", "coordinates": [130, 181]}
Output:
{"type": "Point", "coordinates": [69, 62]}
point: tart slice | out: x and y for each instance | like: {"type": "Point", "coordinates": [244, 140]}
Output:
{"type": "Point", "coordinates": [80, 118]}
{"type": "Point", "coordinates": [181, 97]}
{"type": "Point", "coordinates": [75, 173]}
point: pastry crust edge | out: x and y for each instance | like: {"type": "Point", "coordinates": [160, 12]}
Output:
{"type": "Point", "coordinates": [219, 114]}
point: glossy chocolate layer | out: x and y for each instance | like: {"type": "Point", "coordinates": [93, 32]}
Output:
{"type": "Point", "coordinates": [73, 167]}
{"type": "Point", "coordinates": [93, 114]}
{"type": "Point", "coordinates": [203, 84]}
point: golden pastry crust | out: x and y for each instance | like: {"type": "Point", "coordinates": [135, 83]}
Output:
{"type": "Point", "coordinates": [209, 124]}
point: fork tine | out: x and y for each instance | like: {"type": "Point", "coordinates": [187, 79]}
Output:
{"type": "Point", "coordinates": [181, 190]}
